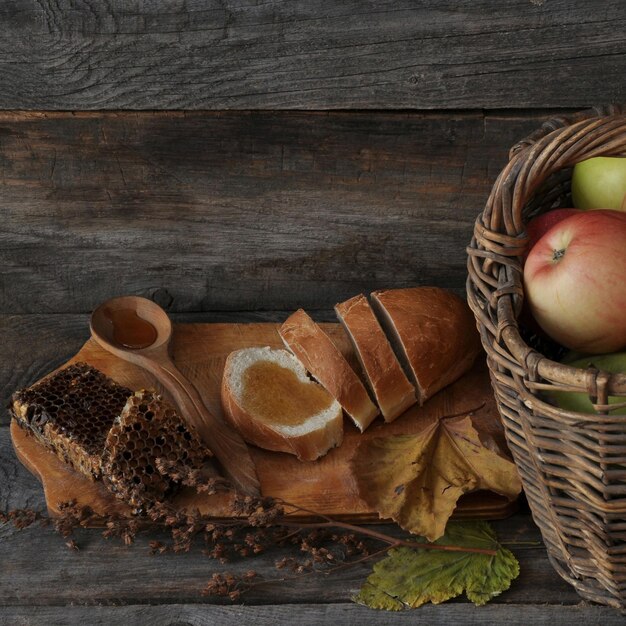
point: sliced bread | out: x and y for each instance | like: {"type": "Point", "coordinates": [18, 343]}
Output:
{"type": "Point", "coordinates": [388, 382]}
{"type": "Point", "coordinates": [433, 332]}
{"type": "Point", "coordinates": [323, 360]}
{"type": "Point", "coordinates": [268, 397]}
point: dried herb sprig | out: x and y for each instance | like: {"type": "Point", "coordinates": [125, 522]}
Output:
{"type": "Point", "coordinates": [322, 543]}
{"type": "Point", "coordinates": [20, 518]}
{"type": "Point", "coordinates": [251, 513]}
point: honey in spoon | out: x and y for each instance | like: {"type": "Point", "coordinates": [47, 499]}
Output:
{"type": "Point", "coordinates": [129, 330]}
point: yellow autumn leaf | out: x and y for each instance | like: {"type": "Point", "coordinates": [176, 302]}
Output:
{"type": "Point", "coordinates": [416, 480]}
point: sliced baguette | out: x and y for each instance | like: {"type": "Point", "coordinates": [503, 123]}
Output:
{"type": "Point", "coordinates": [388, 382]}
{"type": "Point", "coordinates": [328, 366]}
{"type": "Point", "coordinates": [268, 397]}
{"type": "Point", "coordinates": [433, 332]}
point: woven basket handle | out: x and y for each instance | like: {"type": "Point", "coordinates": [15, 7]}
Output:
{"type": "Point", "coordinates": [563, 121]}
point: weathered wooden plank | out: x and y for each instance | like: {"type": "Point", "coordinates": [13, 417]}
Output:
{"type": "Point", "coordinates": [107, 572]}
{"type": "Point", "coordinates": [310, 615]}
{"type": "Point", "coordinates": [18, 488]}
{"type": "Point", "coordinates": [312, 55]}
{"type": "Point", "coordinates": [240, 211]}
{"type": "Point", "coordinates": [34, 345]}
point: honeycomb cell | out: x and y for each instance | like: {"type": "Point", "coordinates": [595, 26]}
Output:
{"type": "Point", "coordinates": [72, 412]}
{"type": "Point", "coordinates": [107, 432]}
{"type": "Point", "coordinates": [152, 430]}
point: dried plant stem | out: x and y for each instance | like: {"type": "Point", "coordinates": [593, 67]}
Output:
{"type": "Point", "coordinates": [329, 522]}
{"type": "Point", "coordinates": [363, 559]}
{"type": "Point", "coordinates": [392, 541]}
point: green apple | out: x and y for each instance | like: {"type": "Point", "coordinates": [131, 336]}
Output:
{"type": "Point", "coordinates": [614, 363]}
{"type": "Point", "coordinates": [600, 183]}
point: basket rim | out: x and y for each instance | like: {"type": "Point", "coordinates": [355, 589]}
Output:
{"type": "Point", "coordinates": [507, 238]}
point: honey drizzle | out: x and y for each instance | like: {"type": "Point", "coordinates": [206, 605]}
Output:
{"type": "Point", "coordinates": [277, 396]}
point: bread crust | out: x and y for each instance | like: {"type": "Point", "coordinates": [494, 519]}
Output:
{"type": "Point", "coordinates": [323, 360]}
{"type": "Point", "coordinates": [307, 447]}
{"type": "Point", "coordinates": [434, 329]}
{"type": "Point", "coordinates": [390, 385]}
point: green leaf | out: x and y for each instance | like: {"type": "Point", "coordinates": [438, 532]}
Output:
{"type": "Point", "coordinates": [407, 578]}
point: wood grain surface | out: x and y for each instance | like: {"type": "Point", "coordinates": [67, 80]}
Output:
{"type": "Point", "coordinates": [247, 215]}
{"type": "Point", "coordinates": [106, 572]}
{"type": "Point", "coordinates": [309, 615]}
{"type": "Point", "coordinates": [320, 54]}
{"type": "Point", "coordinates": [325, 486]}
{"type": "Point", "coordinates": [239, 211]}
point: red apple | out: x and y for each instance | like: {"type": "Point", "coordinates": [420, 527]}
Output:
{"type": "Point", "coordinates": [536, 228]}
{"type": "Point", "coordinates": [575, 281]}
{"type": "Point", "coordinates": [541, 224]}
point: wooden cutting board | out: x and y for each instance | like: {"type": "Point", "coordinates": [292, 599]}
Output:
{"type": "Point", "coordinates": [324, 486]}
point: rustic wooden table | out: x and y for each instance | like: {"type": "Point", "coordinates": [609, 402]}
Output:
{"type": "Point", "coordinates": [234, 161]}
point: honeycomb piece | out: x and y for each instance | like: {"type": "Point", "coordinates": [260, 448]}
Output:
{"type": "Point", "coordinates": [148, 449]}
{"type": "Point", "coordinates": [71, 413]}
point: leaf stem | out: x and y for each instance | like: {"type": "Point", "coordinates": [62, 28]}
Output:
{"type": "Point", "coordinates": [466, 412]}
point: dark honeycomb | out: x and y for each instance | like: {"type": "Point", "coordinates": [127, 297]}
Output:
{"type": "Point", "coordinates": [71, 413]}
{"type": "Point", "coordinates": [135, 442]}
{"type": "Point", "coordinates": [148, 449]}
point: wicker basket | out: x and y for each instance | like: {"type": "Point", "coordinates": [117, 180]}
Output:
{"type": "Point", "coordinates": [573, 465]}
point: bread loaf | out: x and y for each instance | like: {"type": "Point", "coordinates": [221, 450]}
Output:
{"type": "Point", "coordinates": [433, 333]}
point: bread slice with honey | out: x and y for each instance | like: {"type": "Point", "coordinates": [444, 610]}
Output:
{"type": "Point", "coordinates": [433, 332]}
{"type": "Point", "coordinates": [391, 387]}
{"type": "Point", "coordinates": [323, 360]}
{"type": "Point", "coordinates": [268, 397]}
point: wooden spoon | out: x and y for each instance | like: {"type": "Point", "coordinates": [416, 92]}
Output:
{"type": "Point", "coordinates": [139, 331]}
